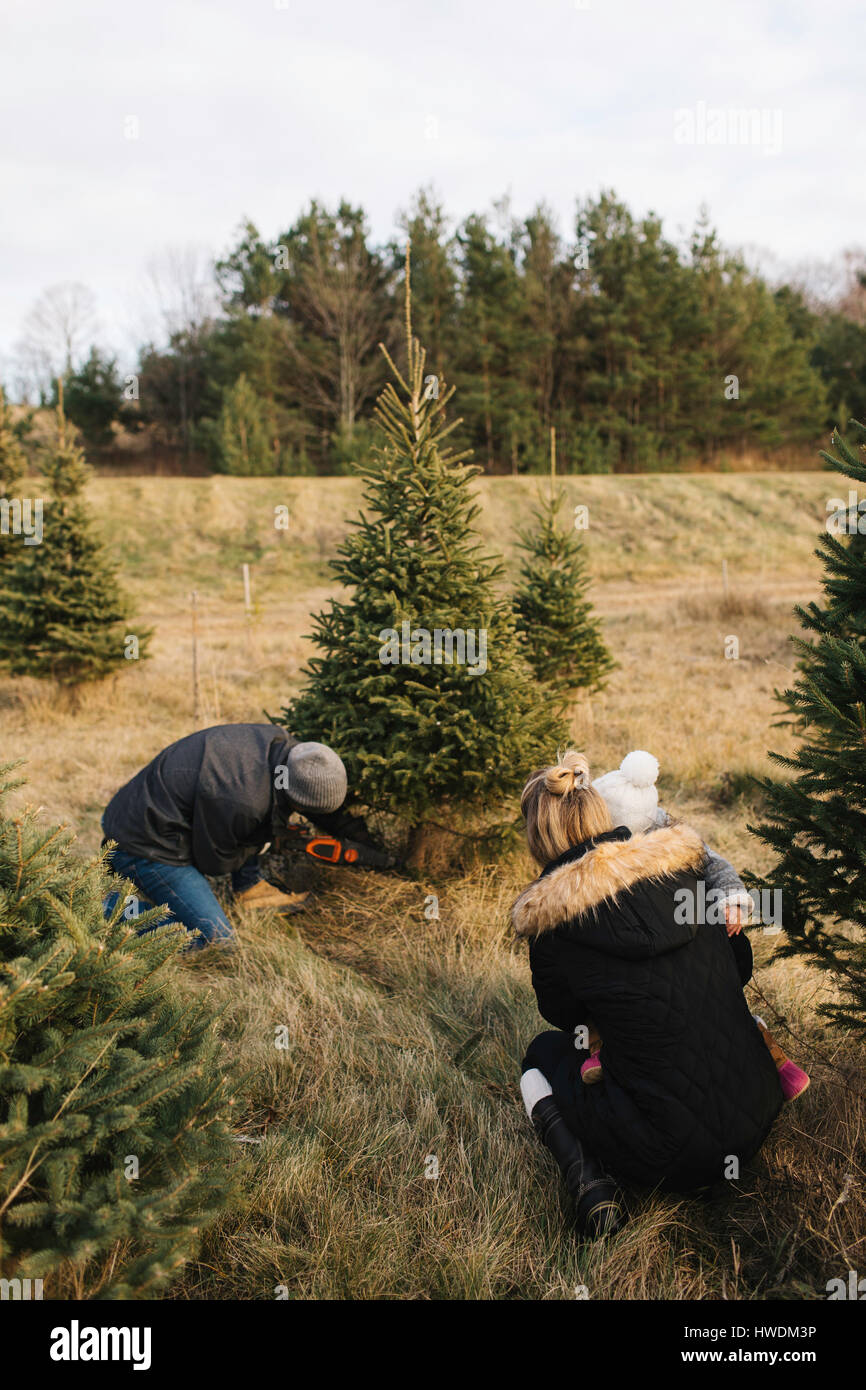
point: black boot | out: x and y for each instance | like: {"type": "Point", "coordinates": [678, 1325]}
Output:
{"type": "Point", "coordinates": [599, 1209]}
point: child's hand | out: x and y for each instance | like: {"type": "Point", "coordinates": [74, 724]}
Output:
{"type": "Point", "coordinates": [733, 918]}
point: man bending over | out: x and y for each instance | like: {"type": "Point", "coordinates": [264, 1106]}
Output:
{"type": "Point", "coordinates": [207, 805]}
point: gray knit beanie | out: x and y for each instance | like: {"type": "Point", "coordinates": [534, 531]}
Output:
{"type": "Point", "coordinates": [316, 777]}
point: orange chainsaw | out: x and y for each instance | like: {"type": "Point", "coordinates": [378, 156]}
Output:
{"type": "Point", "coordinates": [331, 849]}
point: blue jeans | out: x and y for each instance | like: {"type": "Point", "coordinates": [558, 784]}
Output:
{"type": "Point", "coordinates": [186, 892]}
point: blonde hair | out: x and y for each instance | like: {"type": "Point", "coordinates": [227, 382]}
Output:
{"type": "Point", "coordinates": [562, 808]}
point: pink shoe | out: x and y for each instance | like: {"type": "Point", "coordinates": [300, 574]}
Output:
{"type": "Point", "coordinates": [591, 1071]}
{"type": "Point", "coordinates": [794, 1080]}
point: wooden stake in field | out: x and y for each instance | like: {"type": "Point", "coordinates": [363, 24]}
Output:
{"type": "Point", "coordinates": [216, 696]}
{"type": "Point", "coordinates": [725, 576]}
{"type": "Point", "coordinates": [248, 602]}
{"type": "Point", "coordinates": [196, 703]}
{"type": "Point", "coordinates": [248, 605]}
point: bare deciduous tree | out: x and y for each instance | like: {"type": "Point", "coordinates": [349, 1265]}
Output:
{"type": "Point", "coordinates": [340, 310]}
{"type": "Point", "coordinates": [56, 334]}
{"type": "Point", "coordinates": [181, 289]}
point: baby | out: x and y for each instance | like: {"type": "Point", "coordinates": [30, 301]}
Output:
{"type": "Point", "coordinates": [632, 799]}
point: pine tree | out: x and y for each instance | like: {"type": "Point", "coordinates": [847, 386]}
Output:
{"type": "Point", "coordinates": [816, 821]}
{"type": "Point", "coordinates": [62, 613]}
{"type": "Point", "coordinates": [93, 399]}
{"type": "Point", "coordinates": [548, 302]}
{"type": "Point", "coordinates": [492, 344]}
{"type": "Point", "coordinates": [421, 733]}
{"type": "Point", "coordinates": [11, 453]}
{"type": "Point", "coordinates": [242, 437]}
{"type": "Point", "coordinates": [435, 278]}
{"type": "Point", "coordinates": [560, 637]}
{"type": "Point", "coordinates": [113, 1102]}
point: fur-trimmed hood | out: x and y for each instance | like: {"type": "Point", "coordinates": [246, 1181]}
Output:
{"type": "Point", "coordinates": [580, 882]}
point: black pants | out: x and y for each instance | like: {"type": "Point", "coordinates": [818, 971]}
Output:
{"type": "Point", "coordinates": [557, 1058]}
{"type": "Point", "coordinates": [551, 1052]}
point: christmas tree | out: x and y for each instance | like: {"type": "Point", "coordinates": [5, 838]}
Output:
{"type": "Point", "coordinates": [62, 613]}
{"type": "Point", "coordinates": [112, 1097]}
{"type": "Point", "coordinates": [420, 686]}
{"type": "Point", "coordinates": [816, 821]}
{"type": "Point", "coordinates": [559, 635]}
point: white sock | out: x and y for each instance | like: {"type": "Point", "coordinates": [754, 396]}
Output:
{"type": "Point", "coordinates": [534, 1086]}
{"type": "Point", "coordinates": [758, 1019]}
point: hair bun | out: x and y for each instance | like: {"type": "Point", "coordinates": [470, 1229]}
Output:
{"type": "Point", "coordinates": [571, 774]}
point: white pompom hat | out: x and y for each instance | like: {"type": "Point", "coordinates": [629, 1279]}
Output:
{"type": "Point", "coordinates": [630, 791]}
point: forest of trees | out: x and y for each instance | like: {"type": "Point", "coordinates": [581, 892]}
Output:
{"type": "Point", "coordinates": [641, 352]}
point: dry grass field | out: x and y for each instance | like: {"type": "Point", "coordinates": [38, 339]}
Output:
{"type": "Point", "coordinates": [406, 1034]}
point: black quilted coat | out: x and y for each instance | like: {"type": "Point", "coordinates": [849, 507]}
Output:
{"type": "Point", "coordinates": [688, 1082]}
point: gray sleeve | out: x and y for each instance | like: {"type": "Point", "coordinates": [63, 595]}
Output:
{"type": "Point", "coordinates": [720, 876]}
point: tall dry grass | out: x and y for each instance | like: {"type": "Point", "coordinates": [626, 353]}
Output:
{"type": "Point", "coordinates": [405, 1036]}
{"type": "Point", "coordinates": [405, 1033]}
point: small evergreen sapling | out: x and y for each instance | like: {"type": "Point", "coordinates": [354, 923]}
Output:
{"type": "Point", "coordinates": [63, 615]}
{"type": "Point", "coordinates": [559, 634]}
{"type": "Point", "coordinates": [113, 1106]}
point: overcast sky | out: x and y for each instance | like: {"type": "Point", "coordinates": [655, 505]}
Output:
{"type": "Point", "coordinates": [252, 107]}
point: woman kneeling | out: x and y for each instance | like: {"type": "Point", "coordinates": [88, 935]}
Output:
{"type": "Point", "coordinates": [688, 1084]}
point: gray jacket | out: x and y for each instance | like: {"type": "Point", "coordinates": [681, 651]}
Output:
{"type": "Point", "coordinates": [209, 799]}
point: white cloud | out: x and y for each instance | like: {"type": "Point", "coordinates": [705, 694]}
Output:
{"type": "Point", "coordinates": [250, 110]}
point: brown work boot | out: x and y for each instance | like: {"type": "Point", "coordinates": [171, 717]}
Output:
{"type": "Point", "coordinates": [264, 897]}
